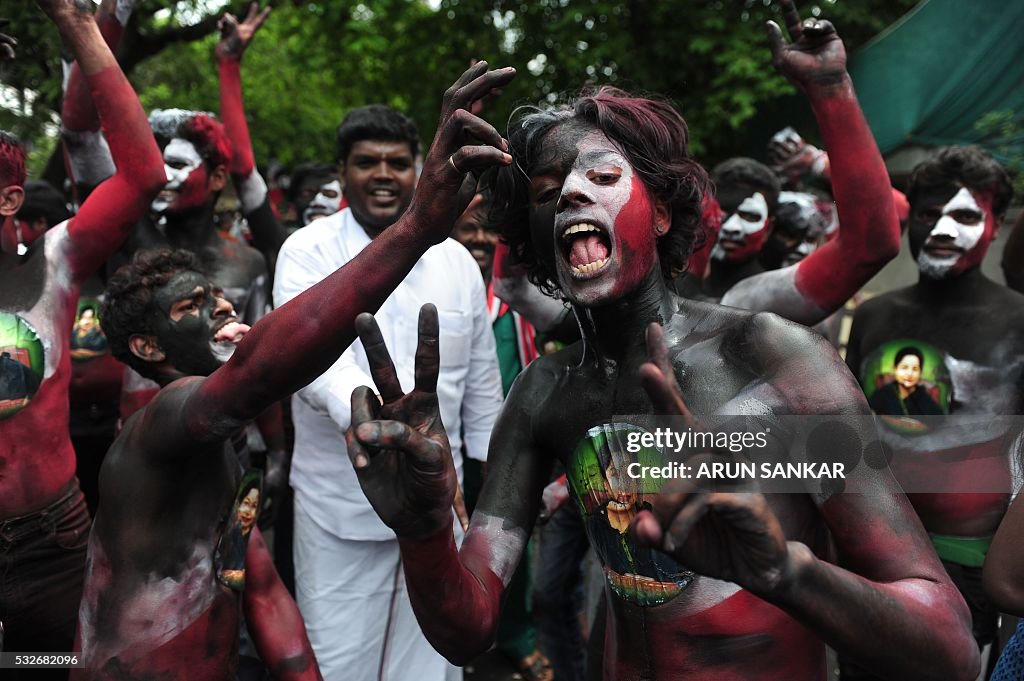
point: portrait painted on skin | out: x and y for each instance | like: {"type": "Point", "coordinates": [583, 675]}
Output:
{"type": "Point", "coordinates": [87, 338]}
{"type": "Point", "coordinates": [608, 499]}
{"type": "Point", "coordinates": [907, 377]}
{"type": "Point", "coordinates": [229, 559]}
{"type": "Point", "coordinates": [21, 364]}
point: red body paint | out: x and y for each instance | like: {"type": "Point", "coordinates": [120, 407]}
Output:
{"type": "Point", "coordinates": [869, 233]}
{"type": "Point", "coordinates": [233, 114]}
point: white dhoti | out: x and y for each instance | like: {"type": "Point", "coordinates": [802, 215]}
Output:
{"type": "Point", "coordinates": [353, 598]}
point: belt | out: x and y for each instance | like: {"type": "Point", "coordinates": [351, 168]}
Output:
{"type": "Point", "coordinates": [13, 529]}
{"type": "Point", "coordinates": [966, 551]}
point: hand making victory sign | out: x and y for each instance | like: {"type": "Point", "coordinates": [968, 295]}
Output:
{"type": "Point", "coordinates": [732, 536]}
{"type": "Point", "coordinates": [816, 57]}
{"type": "Point", "coordinates": [397, 444]}
{"type": "Point", "coordinates": [235, 37]}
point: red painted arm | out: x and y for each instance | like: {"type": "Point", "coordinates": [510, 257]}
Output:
{"type": "Point", "coordinates": [869, 230]}
{"type": "Point", "coordinates": [232, 112]}
{"type": "Point", "coordinates": [274, 620]}
{"type": "Point", "coordinates": [455, 595]}
{"type": "Point", "coordinates": [106, 218]}
{"type": "Point", "coordinates": [88, 156]}
{"type": "Point", "coordinates": [320, 321]}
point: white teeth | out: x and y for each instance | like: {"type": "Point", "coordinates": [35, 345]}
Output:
{"type": "Point", "coordinates": [589, 267]}
{"type": "Point", "coordinates": [581, 227]}
{"type": "Point", "coordinates": [382, 192]}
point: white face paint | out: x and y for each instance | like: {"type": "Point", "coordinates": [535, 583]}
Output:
{"type": "Point", "coordinates": [749, 219]}
{"type": "Point", "coordinates": [180, 159]}
{"type": "Point", "coordinates": [326, 202]}
{"type": "Point", "coordinates": [959, 230]}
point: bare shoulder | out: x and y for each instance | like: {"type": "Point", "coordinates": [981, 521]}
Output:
{"type": "Point", "coordinates": [159, 428]}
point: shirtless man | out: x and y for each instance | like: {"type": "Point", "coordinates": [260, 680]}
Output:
{"type": "Point", "coordinates": [612, 199]}
{"type": "Point", "coordinates": [43, 520]}
{"type": "Point", "coordinates": [199, 155]}
{"type": "Point", "coordinates": [156, 602]}
{"type": "Point", "coordinates": [969, 333]}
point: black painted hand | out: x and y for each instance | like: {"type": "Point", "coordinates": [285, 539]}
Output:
{"type": "Point", "coordinates": [816, 57]}
{"type": "Point", "coordinates": [235, 37]}
{"type": "Point", "coordinates": [397, 443]}
{"type": "Point", "coordinates": [7, 42]}
{"type": "Point", "coordinates": [464, 147]}
{"type": "Point", "coordinates": [726, 535]}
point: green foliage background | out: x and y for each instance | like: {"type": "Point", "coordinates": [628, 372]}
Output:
{"type": "Point", "coordinates": [315, 60]}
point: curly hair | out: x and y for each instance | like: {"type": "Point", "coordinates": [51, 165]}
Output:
{"type": "Point", "coordinates": [128, 306]}
{"type": "Point", "coordinates": [209, 137]}
{"type": "Point", "coordinates": [12, 161]}
{"type": "Point", "coordinates": [971, 166]}
{"type": "Point", "coordinates": [654, 139]}
{"type": "Point", "coordinates": [746, 172]}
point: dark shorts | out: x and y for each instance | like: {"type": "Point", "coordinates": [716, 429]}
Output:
{"type": "Point", "coordinates": [42, 566]}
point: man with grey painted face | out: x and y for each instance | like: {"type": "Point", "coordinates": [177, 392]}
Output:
{"type": "Point", "coordinates": [347, 574]}
{"type": "Point", "coordinates": [973, 331]}
{"type": "Point", "coordinates": [607, 200]}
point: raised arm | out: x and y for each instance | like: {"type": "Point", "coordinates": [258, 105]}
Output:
{"type": "Point", "coordinates": [88, 155]}
{"type": "Point", "coordinates": [402, 458]}
{"type": "Point", "coordinates": [869, 231]}
{"type": "Point", "coordinates": [268, 233]}
{"type": "Point", "coordinates": [320, 323]}
{"type": "Point", "coordinates": [274, 620]}
{"type": "Point", "coordinates": [106, 218]}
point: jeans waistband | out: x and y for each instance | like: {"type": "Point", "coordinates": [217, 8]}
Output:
{"type": "Point", "coordinates": [12, 529]}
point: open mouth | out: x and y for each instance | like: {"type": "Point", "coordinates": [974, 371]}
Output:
{"type": "Point", "coordinates": [384, 196]}
{"type": "Point", "coordinates": [730, 244]}
{"type": "Point", "coordinates": [231, 332]}
{"type": "Point", "coordinates": [586, 247]}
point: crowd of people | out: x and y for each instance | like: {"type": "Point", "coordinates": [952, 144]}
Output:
{"type": "Point", "coordinates": [367, 423]}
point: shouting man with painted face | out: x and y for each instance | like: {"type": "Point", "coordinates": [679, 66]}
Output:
{"type": "Point", "coordinates": [43, 519]}
{"type": "Point", "coordinates": [968, 332]}
{"type": "Point", "coordinates": [161, 594]}
{"type": "Point", "coordinates": [612, 200]}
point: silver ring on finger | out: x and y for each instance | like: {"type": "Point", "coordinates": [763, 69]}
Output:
{"type": "Point", "coordinates": [451, 159]}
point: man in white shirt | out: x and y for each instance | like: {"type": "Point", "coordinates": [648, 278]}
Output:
{"type": "Point", "coordinates": [348, 576]}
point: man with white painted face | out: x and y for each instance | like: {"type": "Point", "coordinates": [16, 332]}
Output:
{"type": "Point", "coordinates": [162, 595]}
{"type": "Point", "coordinates": [304, 184]}
{"type": "Point", "coordinates": [971, 331]}
{"type": "Point", "coordinates": [747, 192]}
{"type": "Point", "coordinates": [607, 199]}
{"type": "Point", "coordinates": [348, 580]}
{"type": "Point", "coordinates": [199, 155]}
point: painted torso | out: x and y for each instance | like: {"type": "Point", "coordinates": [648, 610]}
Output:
{"type": "Point", "coordinates": [37, 306]}
{"type": "Point", "coordinates": [973, 337]}
{"type": "Point", "coordinates": [707, 629]}
{"type": "Point", "coordinates": [152, 605]}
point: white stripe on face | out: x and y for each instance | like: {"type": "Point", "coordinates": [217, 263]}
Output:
{"type": "Point", "coordinates": [749, 218]}
{"type": "Point", "coordinates": [953, 228]}
{"type": "Point", "coordinates": [964, 235]}
{"type": "Point", "coordinates": [180, 160]}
